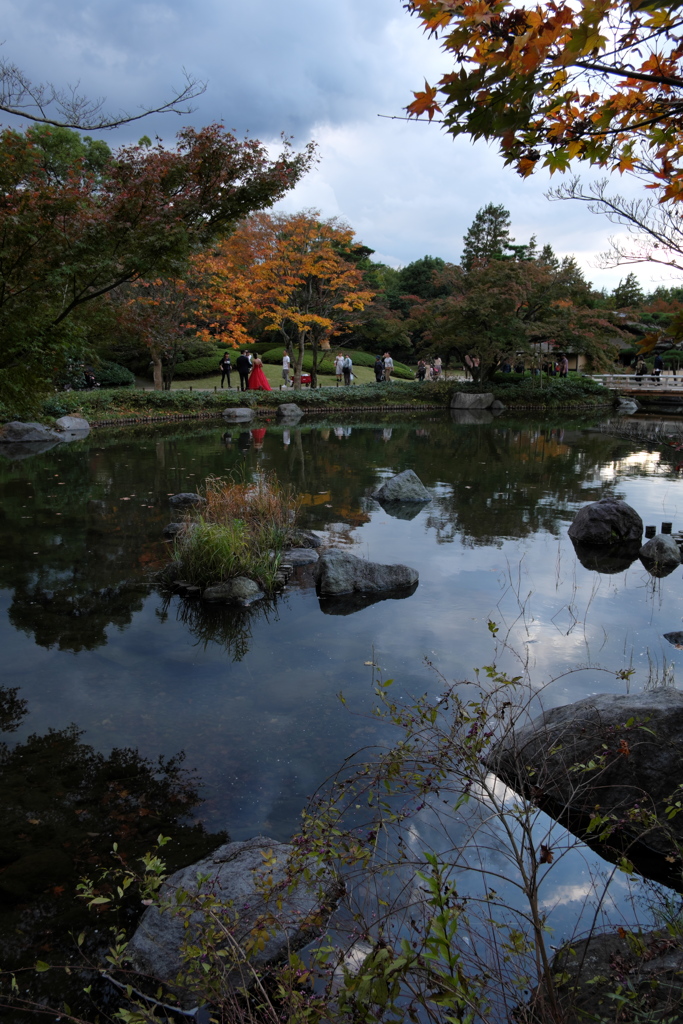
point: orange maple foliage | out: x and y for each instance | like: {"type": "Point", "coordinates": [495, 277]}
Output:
{"type": "Point", "coordinates": [293, 273]}
{"type": "Point", "coordinates": [564, 80]}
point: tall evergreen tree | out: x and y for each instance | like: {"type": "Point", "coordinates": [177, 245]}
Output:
{"type": "Point", "coordinates": [488, 237]}
{"type": "Point", "coordinates": [628, 292]}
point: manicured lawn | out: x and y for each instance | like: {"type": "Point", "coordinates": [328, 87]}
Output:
{"type": "Point", "coordinates": [364, 375]}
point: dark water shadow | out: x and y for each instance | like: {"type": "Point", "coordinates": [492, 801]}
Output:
{"type": "Point", "coordinates": [348, 604]}
{"type": "Point", "coordinates": [658, 570]}
{"type": "Point", "coordinates": [229, 626]}
{"type": "Point", "coordinates": [607, 560]}
{"type": "Point", "coordinates": [471, 417]}
{"type": "Point", "coordinates": [63, 805]}
{"type": "Point", "coordinates": [16, 450]}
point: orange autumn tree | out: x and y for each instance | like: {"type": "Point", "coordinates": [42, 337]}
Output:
{"type": "Point", "coordinates": [311, 286]}
{"type": "Point", "coordinates": [593, 80]}
{"type": "Point", "coordinates": [228, 296]}
{"type": "Point", "coordinates": [293, 274]}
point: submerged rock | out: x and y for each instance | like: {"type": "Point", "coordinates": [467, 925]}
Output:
{"type": "Point", "coordinates": [634, 743]}
{"type": "Point", "coordinates": [608, 521]}
{"type": "Point", "coordinates": [247, 880]}
{"type": "Point", "coordinates": [342, 573]}
{"type": "Point", "coordinates": [405, 486]}
{"type": "Point", "coordinates": [240, 590]}
{"type": "Point", "coordinates": [186, 499]}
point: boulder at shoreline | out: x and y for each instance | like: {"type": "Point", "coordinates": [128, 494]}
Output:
{"type": "Point", "coordinates": [238, 414]}
{"type": "Point", "coordinates": [465, 400]}
{"type": "Point", "coordinates": [27, 433]}
{"type": "Point", "coordinates": [633, 744]}
{"type": "Point", "coordinates": [247, 880]}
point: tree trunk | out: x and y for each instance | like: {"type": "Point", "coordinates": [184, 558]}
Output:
{"type": "Point", "coordinates": [301, 340]}
{"type": "Point", "coordinates": [314, 369]}
{"type": "Point", "coordinates": [158, 373]}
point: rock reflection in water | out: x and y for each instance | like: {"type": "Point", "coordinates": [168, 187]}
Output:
{"type": "Point", "coordinates": [407, 510]}
{"type": "Point", "coordinates": [608, 560]}
{"type": "Point", "coordinates": [347, 604]}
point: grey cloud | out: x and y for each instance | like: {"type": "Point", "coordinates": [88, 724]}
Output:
{"type": "Point", "coordinates": [271, 67]}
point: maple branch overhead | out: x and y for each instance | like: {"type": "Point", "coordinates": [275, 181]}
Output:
{"type": "Point", "coordinates": [627, 73]}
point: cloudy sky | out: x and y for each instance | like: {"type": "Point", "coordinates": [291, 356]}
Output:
{"type": "Point", "coordinates": [312, 69]}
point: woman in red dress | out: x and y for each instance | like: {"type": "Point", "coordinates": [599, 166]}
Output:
{"type": "Point", "coordinates": [257, 378]}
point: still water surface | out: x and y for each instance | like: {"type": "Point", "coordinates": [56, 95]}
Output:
{"type": "Point", "coordinates": [252, 700]}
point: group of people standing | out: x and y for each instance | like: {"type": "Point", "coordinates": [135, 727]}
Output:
{"type": "Point", "coordinates": [250, 370]}
{"type": "Point", "coordinates": [431, 372]}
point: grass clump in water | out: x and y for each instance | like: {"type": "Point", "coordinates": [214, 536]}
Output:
{"type": "Point", "coordinates": [241, 531]}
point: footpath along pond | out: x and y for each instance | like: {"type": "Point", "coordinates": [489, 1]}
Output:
{"type": "Point", "coordinates": [251, 698]}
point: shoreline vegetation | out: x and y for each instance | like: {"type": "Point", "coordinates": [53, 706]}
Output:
{"type": "Point", "coordinates": [102, 408]}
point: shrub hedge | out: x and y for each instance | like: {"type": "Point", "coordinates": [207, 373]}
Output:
{"type": "Point", "coordinates": [113, 375]}
{"type": "Point", "coordinates": [529, 392]}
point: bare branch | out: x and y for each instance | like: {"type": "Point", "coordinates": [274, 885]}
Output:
{"type": "Point", "coordinates": [44, 103]}
{"type": "Point", "coordinates": [656, 228]}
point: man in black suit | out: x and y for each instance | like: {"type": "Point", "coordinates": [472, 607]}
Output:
{"type": "Point", "coordinates": [243, 366]}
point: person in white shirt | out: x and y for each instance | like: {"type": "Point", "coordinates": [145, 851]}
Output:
{"type": "Point", "coordinates": [347, 369]}
{"type": "Point", "coordinates": [339, 367]}
{"type": "Point", "coordinates": [388, 367]}
{"type": "Point", "coordinates": [285, 367]}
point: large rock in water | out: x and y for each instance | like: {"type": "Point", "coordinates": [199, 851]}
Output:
{"type": "Point", "coordinates": [630, 748]}
{"type": "Point", "coordinates": [660, 555]}
{"type": "Point", "coordinates": [405, 486]}
{"type": "Point", "coordinates": [239, 876]}
{"type": "Point", "coordinates": [608, 521]}
{"type": "Point", "coordinates": [590, 971]}
{"type": "Point", "coordinates": [342, 573]}
{"type": "Point", "coordinates": [27, 433]}
{"type": "Point", "coordinates": [465, 400]}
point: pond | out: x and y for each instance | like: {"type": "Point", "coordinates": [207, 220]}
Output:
{"type": "Point", "coordinates": [252, 699]}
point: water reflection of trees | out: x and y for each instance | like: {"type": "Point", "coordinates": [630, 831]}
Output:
{"type": "Point", "coordinates": [507, 483]}
{"type": "Point", "coordinates": [77, 555]}
{"type": "Point", "coordinates": [64, 805]}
